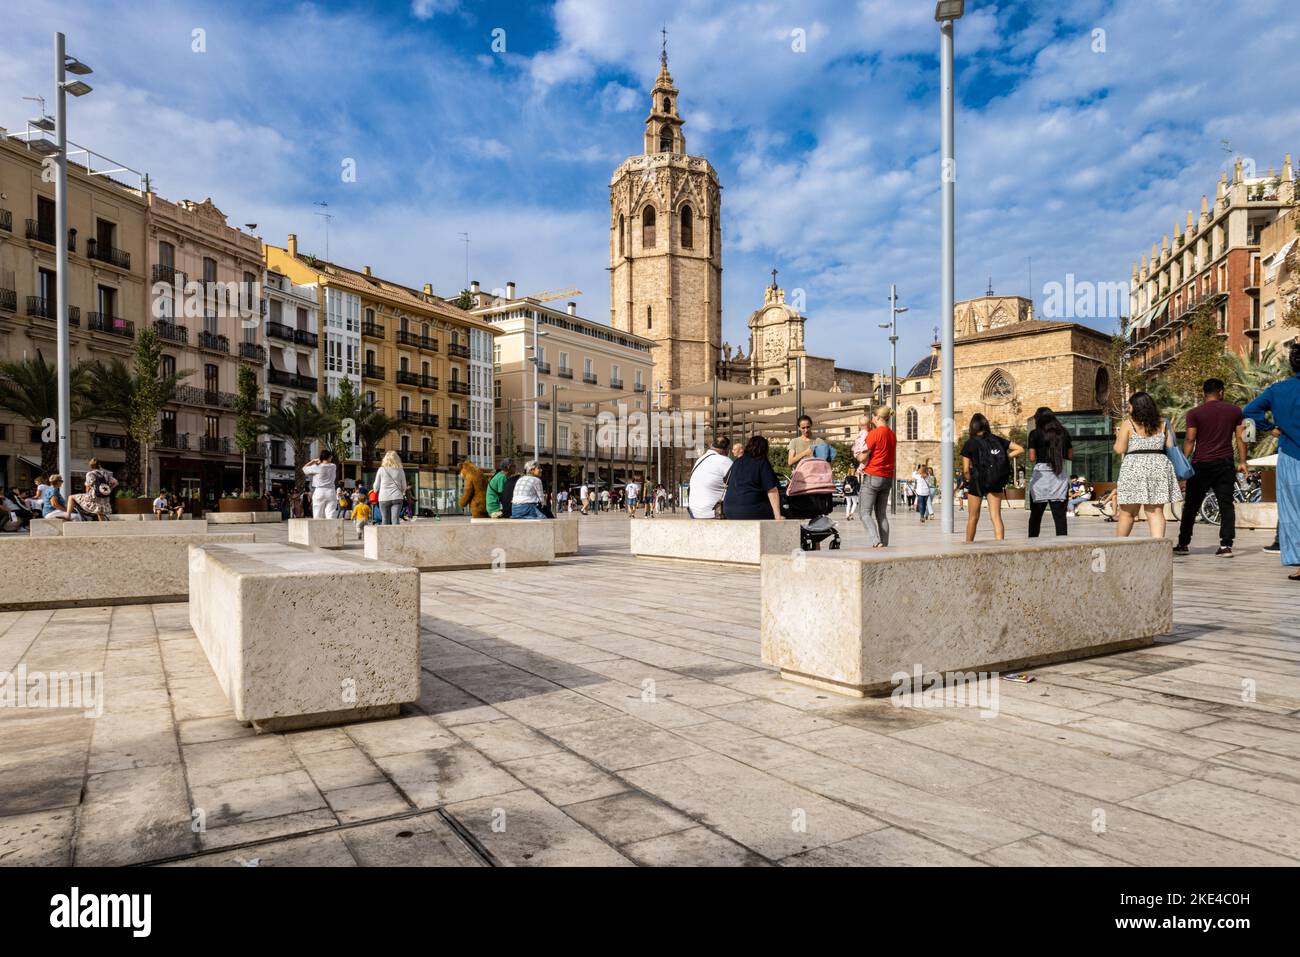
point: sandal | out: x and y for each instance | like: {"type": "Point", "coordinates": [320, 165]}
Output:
{"type": "Point", "coordinates": [1295, 577]}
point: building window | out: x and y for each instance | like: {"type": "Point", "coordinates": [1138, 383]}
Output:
{"type": "Point", "coordinates": [168, 366]}
{"type": "Point", "coordinates": [622, 225]}
{"type": "Point", "coordinates": [998, 387]}
{"type": "Point", "coordinates": [649, 317]}
{"type": "Point", "coordinates": [211, 382]}
{"type": "Point", "coordinates": [648, 228]}
{"type": "Point", "coordinates": [913, 425]}
{"type": "Point", "coordinates": [665, 140]}
{"type": "Point", "coordinates": [1101, 388]}
{"type": "Point", "coordinates": [212, 426]}
{"type": "Point", "coordinates": [668, 105]}
{"type": "Point", "coordinates": [166, 254]}
{"type": "Point", "coordinates": [688, 228]}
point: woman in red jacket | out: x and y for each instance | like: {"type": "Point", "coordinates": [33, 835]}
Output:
{"type": "Point", "coordinates": [878, 464]}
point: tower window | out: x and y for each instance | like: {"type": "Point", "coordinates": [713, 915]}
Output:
{"type": "Point", "coordinates": [688, 228]}
{"type": "Point", "coordinates": [622, 250]}
{"type": "Point", "coordinates": [665, 140]}
{"type": "Point", "coordinates": [668, 105]}
{"type": "Point", "coordinates": [913, 425]}
{"type": "Point", "coordinates": [648, 228]}
{"type": "Point", "coordinates": [649, 317]}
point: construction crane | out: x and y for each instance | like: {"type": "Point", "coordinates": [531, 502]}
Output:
{"type": "Point", "coordinates": [549, 294]}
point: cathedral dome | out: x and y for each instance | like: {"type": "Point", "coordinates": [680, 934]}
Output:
{"type": "Point", "coordinates": [925, 367]}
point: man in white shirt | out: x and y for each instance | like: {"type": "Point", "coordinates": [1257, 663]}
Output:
{"type": "Point", "coordinates": [321, 473]}
{"type": "Point", "coordinates": [584, 496]}
{"type": "Point", "coordinates": [709, 479]}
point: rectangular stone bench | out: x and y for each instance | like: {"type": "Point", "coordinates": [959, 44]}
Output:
{"type": "Point", "coordinates": [130, 529]}
{"type": "Point", "coordinates": [306, 638]}
{"type": "Point", "coordinates": [848, 622]}
{"type": "Point", "coordinates": [731, 541]}
{"type": "Point", "coordinates": [444, 546]}
{"type": "Point", "coordinates": [565, 529]}
{"type": "Point", "coordinates": [47, 527]}
{"type": "Point", "coordinates": [242, 518]}
{"type": "Point", "coordinates": [102, 569]}
{"type": "Point", "coordinates": [317, 532]}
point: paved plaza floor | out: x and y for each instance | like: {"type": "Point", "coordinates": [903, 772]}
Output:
{"type": "Point", "coordinates": [606, 710]}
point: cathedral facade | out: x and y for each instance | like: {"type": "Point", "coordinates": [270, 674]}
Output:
{"type": "Point", "coordinates": [665, 247]}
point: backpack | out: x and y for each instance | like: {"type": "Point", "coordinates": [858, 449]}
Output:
{"type": "Point", "coordinates": [100, 485]}
{"type": "Point", "coordinates": [993, 466]}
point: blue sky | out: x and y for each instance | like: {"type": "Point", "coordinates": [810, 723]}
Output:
{"type": "Point", "coordinates": [1071, 156]}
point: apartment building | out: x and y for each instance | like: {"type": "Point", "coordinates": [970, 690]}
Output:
{"type": "Point", "coordinates": [1279, 294]}
{"type": "Point", "coordinates": [291, 331]}
{"type": "Point", "coordinates": [205, 293]}
{"type": "Point", "coordinates": [107, 289]}
{"type": "Point", "coordinates": [1214, 262]}
{"type": "Point", "coordinates": [555, 372]}
{"type": "Point", "coordinates": [420, 358]}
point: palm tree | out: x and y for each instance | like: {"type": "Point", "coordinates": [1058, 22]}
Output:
{"type": "Point", "coordinates": [30, 390]}
{"type": "Point", "coordinates": [300, 424]}
{"type": "Point", "coordinates": [373, 426]}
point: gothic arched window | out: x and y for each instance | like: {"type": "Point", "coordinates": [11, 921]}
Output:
{"type": "Point", "coordinates": [998, 387]}
{"type": "Point", "coordinates": [622, 249]}
{"type": "Point", "coordinates": [668, 105]}
{"type": "Point", "coordinates": [913, 425]}
{"type": "Point", "coordinates": [665, 140]}
{"type": "Point", "coordinates": [688, 228]}
{"type": "Point", "coordinates": [648, 228]}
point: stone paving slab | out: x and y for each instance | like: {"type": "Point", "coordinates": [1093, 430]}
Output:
{"type": "Point", "coordinates": [608, 711]}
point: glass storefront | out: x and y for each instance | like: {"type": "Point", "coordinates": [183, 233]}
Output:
{"type": "Point", "coordinates": [1093, 437]}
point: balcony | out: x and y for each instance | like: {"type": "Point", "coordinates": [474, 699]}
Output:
{"type": "Point", "coordinates": [8, 300]}
{"type": "Point", "coordinates": [6, 220]}
{"type": "Point", "coordinates": [214, 443]}
{"type": "Point", "coordinates": [107, 254]}
{"type": "Point", "coordinates": [456, 387]}
{"type": "Point", "coordinates": [427, 420]}
{"type": "Point", "coordinates": [639, 387]}
{"type": "Point", "coordinates": [428, 343]}
{"type": "Point", "coordinates": [175, 441]}
{"type": "Point", "coordinates": [413, 458]}
{"type": "Point", "coordinates": [589, 378]}
{"type": "Point", "coordinates": [47, 309]}
{"type": "Point", "coordinates": [374, 330]}
{"type": "Point", "coordinates": [168, 274]}
{"type": "Point", "coordinates": [291, 380]}
{"type": "Point", "coordinates": [543, 368]}
{"type": "Point", "coordinates": [616, 383]}
{"type": "Point", "coordinates": [251, 350]}
{"type": "Point", "coordinates": [458, 424]}
{"type": "Point", "coordinates": [193, 395]}
{"type": "Point", "coordinates": [278, 330]}
{"type": "Point", "coordinates": [305, 338]}
{"type": "Point", "coordinates": [113, 325]}
{"type": "Point", "coordinates": [213, 342]}
{"type": "Point", "coordinates": [171, 332]}
{"type": "Point", "coordinates": [457, 349]}
{"type": "Point", "coordinates": [418, 379]}
{"type": "Point", "coordinates": [565, 373]}
{"type": "Point", "coordinates": [372, 372]}
{"type": "Point", "coordinates": [41, 232]}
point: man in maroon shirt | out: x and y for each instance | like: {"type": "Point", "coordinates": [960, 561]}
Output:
{"type": "Point", "coordinates": [1213, 428]}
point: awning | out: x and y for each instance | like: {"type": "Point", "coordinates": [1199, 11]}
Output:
{"type": "Point", "coordinates": [1150, 317]}
{"type": "Point", "coordinates": [304, 366]}
{"type": "Point", "coordinates": [1274, 262]}
{"type": "Point", "coordinates": [79, 466]}
{"type": "Point", "coordinates": [1267, 462]}
{"type": "Point", "coordinates": [726, 390]}
{"type": "Point", "coordinates": [277, 359]}
{"type": "Point", "coordinates": [786, 400]}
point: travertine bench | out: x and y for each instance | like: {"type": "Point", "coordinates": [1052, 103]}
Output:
{"type": "Point", "coordinates": [317, 532]}
{"type": "Point", "coordinates": [733, 541]}
{"type": "Point", "coordinates": [134, 529]}
{"type": "Point", "coordinates": [100, 569]}
{"type": "Point", "coordinates": [443, 546]}
{"type": "Point", "coordinates": [849, 622]}
{"type": "Point", "coordinates": [243, 518]}
{"type": "Point", "coordinates": [302, 638]}
{"type": "Point", "coordinates": [565, 529]}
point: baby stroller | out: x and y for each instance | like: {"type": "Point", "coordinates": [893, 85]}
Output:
{"type": "Point", "coordinates": [810, 496]}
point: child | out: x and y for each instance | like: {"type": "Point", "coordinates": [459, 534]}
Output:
{"type": "Point", "coordinates": [360, 515]}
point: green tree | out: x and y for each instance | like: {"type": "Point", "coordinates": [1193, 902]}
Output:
{"type": "Point", "coordinates": [373, 426]}
{"type": "Point", "coordinates": [1201, 357]}
{"type": "Point", "coordinates": [345, 410]}
{"type": "Point", "coordinates": [247, 423]}
{"type": "Point", "coordinates": [151, 392]}
{"type": "Point", "coordinates": [300, 424]}
{"type": "Point", "coordinates": [29, 388]}
{"type": "Point", "coordinates": [465, 300]}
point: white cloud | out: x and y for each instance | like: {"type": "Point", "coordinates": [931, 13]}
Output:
{"type": "Point", "coordinates": [426, 9]}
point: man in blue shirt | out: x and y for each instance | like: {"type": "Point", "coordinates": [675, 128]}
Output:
{"type": "Point", "coordinates": [1276, 411]}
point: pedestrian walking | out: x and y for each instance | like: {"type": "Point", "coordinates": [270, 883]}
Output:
{"type": "Point", "coordinates": [1147, 481]}
{"type": "Point", "coordinates": [1050, 448]}
{"type": "Point", "coordinates": [852, 487]}
{"type": "Point", "coordinates": [1215, 429]}
{"type": "Point", "coordinates": [921, 483]}
{"type": "Point", "coordinates": [1276, 412]}
{"type": "Point", "coordinates": [986, 469]}
{"type": "Point", "coordinates": [360, 515]}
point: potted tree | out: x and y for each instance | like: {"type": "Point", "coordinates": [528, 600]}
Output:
{"type": "Point", "coordinates": [300, 424]}
{"type": "Point", "coordinates": [30, 390]}
{"type": "Point", "coordinates": [246, 433]}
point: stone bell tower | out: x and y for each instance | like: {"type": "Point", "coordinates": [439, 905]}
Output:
{"type": "Point", "coordinates": [665, 247]}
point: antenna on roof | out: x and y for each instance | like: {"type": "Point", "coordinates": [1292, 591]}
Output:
{"type": "Point", "coordinates": [328, 217]}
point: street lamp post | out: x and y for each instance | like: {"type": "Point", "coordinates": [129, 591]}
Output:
{"type": "Point", "coordinates": [63, 65]}
{"type": "Point", "coordinates": [947, 12]}
{"type": "Point", "coordinates": [892, 326]}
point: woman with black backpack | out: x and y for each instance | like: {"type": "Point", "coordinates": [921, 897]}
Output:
{"type": "Point", "coordinates": [986, 469]}
{"type": "Point", "coordinates": [1049, 483]}
{"type": "Point", "coordinates": [96, 503]}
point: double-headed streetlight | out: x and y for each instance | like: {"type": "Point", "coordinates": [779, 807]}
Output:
{"type": "Point", "coordinates": [63, 65]}
{"type": "Point", "coordinates": [892, 326]}
{"type": "Point", "coordinates": [947, 12]}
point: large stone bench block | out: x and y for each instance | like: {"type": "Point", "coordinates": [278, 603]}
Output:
{"type": "Point", "coordinates": [733, 541]}
{"type": "Point", "coordinates": [306, 638]}
{"type": "Point", "coordinates": [243, 518]}
{"type": "Point", "coordinates": [565, 529]}
{"type": "Point", "coordinates": [46, 527]}
{"type": "Point", "coordinates": [317, 532]}
{"type": "Point", "coordinates": [848, 622]}
{"type": "Point", "coordinates": [101, 569]}
{"type": "Point", "coordinates": [132, 529]}
{"type": "Point", "coordinates": [1256, 515]}
{"type": "Point", "coordinates": [443, 546]}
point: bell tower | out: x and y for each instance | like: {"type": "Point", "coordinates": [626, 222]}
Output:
{"type": "Point", "coordinates": [665, 246]}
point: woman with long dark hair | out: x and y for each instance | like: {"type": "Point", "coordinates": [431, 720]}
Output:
{"type": "Point", "coordinates": [752, 487]}
{"type": "Point", "coordinates": [1147, 481]}
{"type": "Point", "coordinates": [1049, 482]}
{"type": "Point", "coordinates": [986, 469]}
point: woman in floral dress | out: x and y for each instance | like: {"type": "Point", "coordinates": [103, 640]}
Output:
{"type": "Point", "coordinates": [1147, 481]}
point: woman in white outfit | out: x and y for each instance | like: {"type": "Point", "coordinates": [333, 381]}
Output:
{"type": "Point", "coordinates": [321, 473]}
{"type": "Point", "coordinates": [390, 483]}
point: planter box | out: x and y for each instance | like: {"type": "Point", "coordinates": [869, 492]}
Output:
{"type": "Point", "coordinates": [241, 505]}
{"type": "Point", "coordinates": [133, 506]}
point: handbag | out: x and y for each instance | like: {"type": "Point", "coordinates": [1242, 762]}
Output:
{"type": "Point", "coordinates": [1182, 468]}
